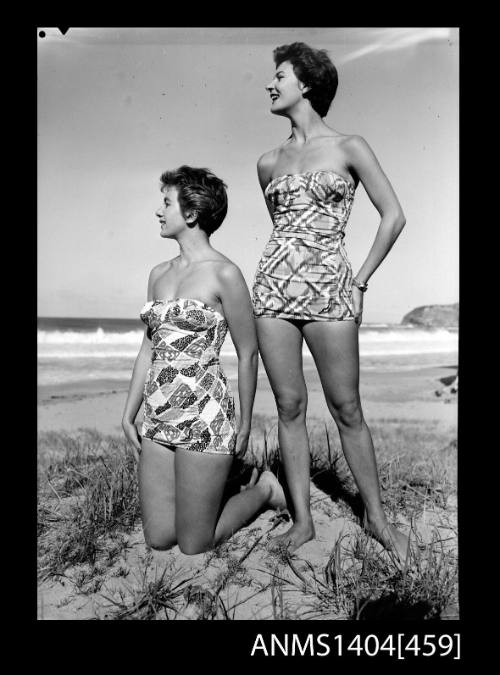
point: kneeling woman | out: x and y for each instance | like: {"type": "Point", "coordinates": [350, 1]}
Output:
{"type": "Point", "coordinates": [189, 434]}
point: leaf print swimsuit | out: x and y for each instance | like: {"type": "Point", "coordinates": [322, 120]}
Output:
{"type": "Point", "coordinates": [187, 398]}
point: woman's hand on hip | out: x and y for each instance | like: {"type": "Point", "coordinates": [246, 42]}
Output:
{"type": "Point", "coordinates": [357, 304]}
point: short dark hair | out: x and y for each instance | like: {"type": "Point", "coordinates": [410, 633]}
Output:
{"type": "Point", "coordinates": [201, 191]}
{"type": "Point", "coordinates": [314, 68]}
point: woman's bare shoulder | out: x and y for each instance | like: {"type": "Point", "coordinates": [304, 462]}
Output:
{"type": "Point", "coordinates": [267, 161]}
{"type": "Point", "coordinates": [225, 269]}
{"type": "Point", "coordinates": [353, 143]}
{"type": "Point", "coordinates": [268, 156]}
{"type": "Point", "coordinates": [266, 164]}
{"type": "Point", "coordinates": [161, 268]}
{"type": "Point", "coordinates": [215, 261]}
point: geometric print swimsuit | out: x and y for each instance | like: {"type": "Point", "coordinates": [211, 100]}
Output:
{"type": "Point", "coordinates": [187, 398]}
{"type": "Point", "coordinates": [304, 272]}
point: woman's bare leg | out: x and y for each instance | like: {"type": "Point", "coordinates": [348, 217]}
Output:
{"type": "Point", "coordinates": [157, 494]}
{"type": "Point", "coordinates": [280, 345]}
{"type": "Point", "coordinates": [181, 495]}
{"type": "Point", "coordinates": [200, 521]}
{"type": "Point", "coordinates": [334, 346]}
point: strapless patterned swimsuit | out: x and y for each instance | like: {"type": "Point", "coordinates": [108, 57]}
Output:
{"type": "Point", "coordinates": [187, 398]}
{"type": "Point", "coordinates": [304, 272]}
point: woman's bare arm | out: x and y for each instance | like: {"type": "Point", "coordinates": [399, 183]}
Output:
{"type": "Point", "coordinates": [363, 163]}
{"type": "Point", "coordinates": [238, 311]}
{"type": "Point", "coordinates": [135, 392]}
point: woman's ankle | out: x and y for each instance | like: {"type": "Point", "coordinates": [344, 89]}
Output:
{"type": "Point", "coordinates": [303, 520]}
{"type": "Point", "coordinates": [375, 519]}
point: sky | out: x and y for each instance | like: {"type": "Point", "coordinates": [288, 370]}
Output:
{"type": "Point", "coordinates": [118, 106]}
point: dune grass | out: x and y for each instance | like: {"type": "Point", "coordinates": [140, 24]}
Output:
{"type": "Point", "coordinates": [88, 503]}
{"type": "Point", "coordinates": [361, 582]}
{"type": "Point", "coordinates": [87, 493]}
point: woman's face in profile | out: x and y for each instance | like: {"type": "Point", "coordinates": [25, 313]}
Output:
{"type": "Point", "coordinates": [169, 214]}
{"type": "Point", "coordinates": [285, 89]}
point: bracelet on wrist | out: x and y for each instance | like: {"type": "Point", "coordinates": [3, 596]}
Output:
{"type": "Point", "coordinates": [358, 284]}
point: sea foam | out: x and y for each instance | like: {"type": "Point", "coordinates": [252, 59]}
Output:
{"type": "Point", "coordinates": [373, 341]}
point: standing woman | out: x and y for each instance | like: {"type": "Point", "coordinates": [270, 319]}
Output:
{"type": "Point", "coordinates": [304, 288]}
{"type": "Point", "coordinates": [189, 434]}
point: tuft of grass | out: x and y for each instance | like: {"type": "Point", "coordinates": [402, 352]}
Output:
{"type": "Point", "coordinates": [160, 597]}
{"type": "Point", "coordinates": [415, 472]}
{"type": "Point", "coordinates": [75, 517]}
{"type": "Point", "coordinates": [361, 582]}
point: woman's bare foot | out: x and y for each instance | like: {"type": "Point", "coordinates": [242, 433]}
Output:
{"type": "Point", "coordinates": [298, 534]}
{"type": "Point", "coordinates": [391, 539]}
{"type": "Point", "coordinates": [277, 496]}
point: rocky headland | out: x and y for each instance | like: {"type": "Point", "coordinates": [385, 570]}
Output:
{"type": "Point", "coordinates": [431, 316]}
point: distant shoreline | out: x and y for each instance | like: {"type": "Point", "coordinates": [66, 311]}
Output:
{"type": "Point", "coordinates": [90, 320]}
{"type": "Point", "coordinates": [396, 394]}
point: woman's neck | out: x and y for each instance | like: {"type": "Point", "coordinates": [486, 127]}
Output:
{"type": "Point", "coordinates": [194, 246]}
{"type": "Point", "coordinates": [306, 124]}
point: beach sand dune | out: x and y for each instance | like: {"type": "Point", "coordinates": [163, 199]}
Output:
{"type": "Point", "coordinates": [405, 394]}
{"type": "Point", "coordinates": [245, 578]}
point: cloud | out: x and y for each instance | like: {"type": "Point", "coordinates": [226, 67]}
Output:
{"type": "Point", "coordinates": [393, 39]}
{"type": "Point", "coordinates": [363, 40]}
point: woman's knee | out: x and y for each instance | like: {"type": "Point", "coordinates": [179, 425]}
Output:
{"type": "Point", "coordinates": [291, 406]}
{"type": "Point", "coordinates": [348, 414]}
{"type": "Point", "coordinates": [158, 540]}
{"type": "Point", "coordinates": [193, 545]}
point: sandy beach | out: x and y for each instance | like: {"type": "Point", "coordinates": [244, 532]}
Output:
{"type": "Point", "coordinates": [242, 575]}
{"type": "Point", "coordinates": [404, 394]}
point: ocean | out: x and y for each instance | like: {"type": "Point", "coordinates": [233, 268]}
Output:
{"type": "Point", "coordinates": [74, 350]}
